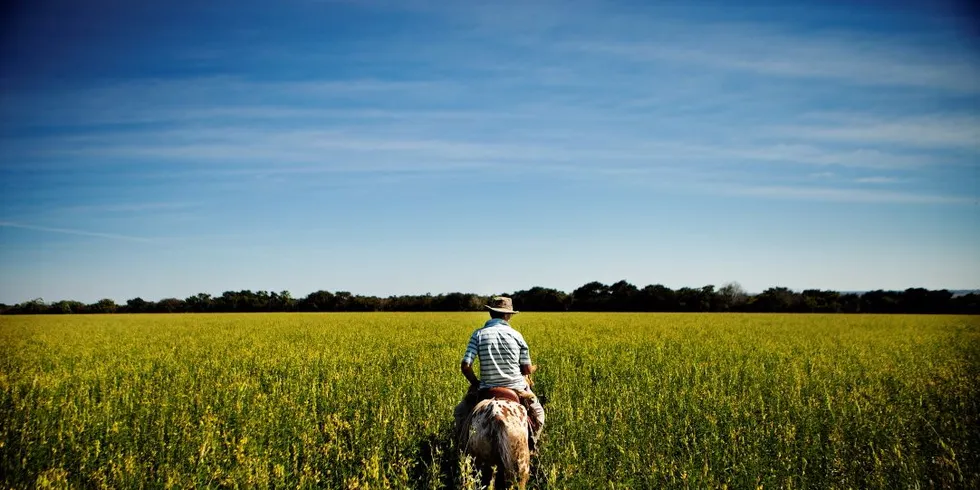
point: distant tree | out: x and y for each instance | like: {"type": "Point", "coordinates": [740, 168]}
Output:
{"type": "Point", "coordinates": [136, 305]}
{"type": "Point", "coordinates": [318, 301]}
{"type": "Point", "coordinates": [424, 302]}
{"type": "Point", "coordinates": [687, 299]}
{"type": "Point", "coordinates": [775, 300]}
{"type": "Point", "coordinates": [457, 302]}
{"type": "Point", "coordinates": [282, 301]}
{"type": "Point", "coordinates": [60, 307]}
{"type": "Point", "coordinates": [593, 296]}
{"type": "Point", "coordinates": [731, 297]}
{"type": "Point", "coordinates": [199, 303]}
{"type": "Point", "coordinates": [708, 299]}
{"type": "Point", "coordinates": [691, 299]}
{"type": "Point", "coordinates": [657, 298]}
{"type": "Point", "coordinates": [817, 301]}
{"type": "Point", "coordinates": [362, 303]}
{"type": "Point", "coordinates": [67, 307]}
{"type": "Point", "coordinates": [965, 304]}
{"type": "Point", "coordinates": [539, 299]}
{"type": "Point", "coordinates": [393, 303]}
{"type": "Point", "coordinates": [35, 306]}
{"type": "Point", "coordinates": [170, 305]}
{"type": "Point", "coordinates": [103, 306]}
{"type": "Point", "coordinates": [287, 301]}
{"type": "Point", "coordinates": [260, 301]}
{"type": "Point", "coordinates": [623, 296]}
{"type": "Point", "coordinates": [880, 302]}
{"type": "Point", "coordinates": [850, 303]}
{"type": "Point", "coordinates": [919, 300]}
{"type": "Point", "coordinates": [242, 301]}
{"type": "Point", "coordinates": [342, 300]}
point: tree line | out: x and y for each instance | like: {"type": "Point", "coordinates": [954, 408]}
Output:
{"type": "Point", "coordinates": [594, 296]}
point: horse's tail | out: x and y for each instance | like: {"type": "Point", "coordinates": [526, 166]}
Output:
{"type": "Point", "coordinates": [498, 436]}
{"type": "Point", "coordinates": [510, 441]}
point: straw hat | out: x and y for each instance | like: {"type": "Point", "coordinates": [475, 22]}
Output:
{"type": "Point", "coordinates": [501, 304]}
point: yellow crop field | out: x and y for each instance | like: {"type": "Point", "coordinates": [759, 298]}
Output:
{"type": "Point", "coordinates": [365, 400]}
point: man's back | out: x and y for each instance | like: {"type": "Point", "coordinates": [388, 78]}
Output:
{"type": "Point", "coordinates": [502, 351]}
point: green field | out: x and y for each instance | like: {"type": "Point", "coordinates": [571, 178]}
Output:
{"type": "Point", "coordinates": [365, 400]}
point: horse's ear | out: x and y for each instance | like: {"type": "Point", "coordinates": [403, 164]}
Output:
{"type": "Point", "coordinates": [534, 367]}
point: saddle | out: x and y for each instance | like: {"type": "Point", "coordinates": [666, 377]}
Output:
{"type": "Point", "coordinates": [499, 393]}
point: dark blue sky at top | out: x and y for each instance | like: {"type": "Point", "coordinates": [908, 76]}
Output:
{"type": "Point", "coordinates": [65, 42]}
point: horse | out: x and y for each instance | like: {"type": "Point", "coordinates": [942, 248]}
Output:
{"type": "Point", "coordinates": [497, 436]}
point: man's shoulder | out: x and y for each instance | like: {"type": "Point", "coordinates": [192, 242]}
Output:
{"type": "Point", "coordinates": [512, 332]}
{"type": "Point", "coordinates": [499, 327]}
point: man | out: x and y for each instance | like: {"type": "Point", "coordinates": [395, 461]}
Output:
{"type": "Point", "coordinates": [505, 361]}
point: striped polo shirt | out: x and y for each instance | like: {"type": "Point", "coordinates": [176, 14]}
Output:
{"type": "Point", "coordinates": [502, 351]}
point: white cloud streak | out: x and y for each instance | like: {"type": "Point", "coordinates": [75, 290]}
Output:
{"type": "Point", "coordinates": [765, 51]}
{"type": "Point", "coordinates": [936, 132]}
{"type": "Point", "coordinates": [68, 231]}
{"type": "Point", "coordinates": [134, 207]}
{"type": "Point", "coordinates": [878, 180]}
{"type": "Point", "coordinates": [845, 195]}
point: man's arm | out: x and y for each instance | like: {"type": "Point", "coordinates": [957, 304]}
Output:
{"type": "Point", "coordinates": [467, 369]}
{"type": "Point", "coordinates": [466, 366]}
{"type": "Point", "coordinates": [527, 370]}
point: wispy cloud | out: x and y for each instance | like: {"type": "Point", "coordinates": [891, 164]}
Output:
{"type": "Point", "coordinates": [438, 145]}
{"type": "Point", "coordinates": [133, 207]}
{"type": "Point", "coordinates": [858, 60]}
{"type": "Point", "coordinates": [182, 100]}
{"type": "Point", "coordinates": [68, 231]}
{"type": "Point", "coordinates": [805, 154]}
{"type": "Point", "coordinates": [845, 195]}
{"type": "Point", "coordinates": [821, 175]}
{"type": "Point", "coordinates": [946, 131]}
{"type": "Point", "coordinates": [878, 180]}
{"type": "Point", "coordinates": [339, 149]}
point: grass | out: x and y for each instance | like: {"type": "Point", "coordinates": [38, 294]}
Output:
{"type": "Point", "coordinates": [365, 400]}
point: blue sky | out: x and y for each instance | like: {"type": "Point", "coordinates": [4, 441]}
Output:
{"type": "Point", "coordinates": [416, 146]}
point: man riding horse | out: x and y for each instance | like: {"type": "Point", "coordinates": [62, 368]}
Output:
{"type": "Point", "coordinates": [505, 362]}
